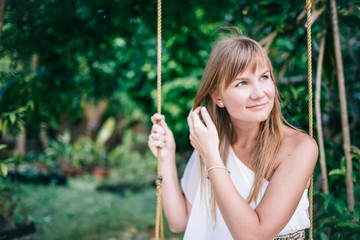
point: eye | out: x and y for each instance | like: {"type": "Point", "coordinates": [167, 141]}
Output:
{"type": "Point", "coordinates": [242, 83]}
{"type": "Point", "coordinates": [265, 77]}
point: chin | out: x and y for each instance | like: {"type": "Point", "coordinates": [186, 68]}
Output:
{"type": "Point", "coordinates": [261, 118]}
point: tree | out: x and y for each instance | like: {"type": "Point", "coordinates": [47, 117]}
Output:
{"type": "Point", "coordinates": [343, 106]}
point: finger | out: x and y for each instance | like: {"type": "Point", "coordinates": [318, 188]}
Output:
{"type": "Point", "coordinates": [196, 117]}
{"type": "Point", "coordinates": [156, 144]}
{"type": "Point", "coordinates": [190, 121]}
{"type": "Point", "coordinates": [156, 117]}
{"type": "Point", "coordinates": [156, 128]}
{"type": "Point", "coordinates": [205, 115]}
{"type": "Point", "coordinates": [164, 125]}
{"type": "Point", "coordinates": [157, 137]}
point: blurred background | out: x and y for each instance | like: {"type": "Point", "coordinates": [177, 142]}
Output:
{"type": "Point", "coordinates": [78, 87]}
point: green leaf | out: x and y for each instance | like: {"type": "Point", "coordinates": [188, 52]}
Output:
{"type": "Point", "coordinates": [327, 201]}
{"type": "Point", "coordinates": [21, 109]}
{"type": "Point", "coordinates": [323, 236]}
{"type": "Point", "coordinates": [357, 213]}
{"type": "Point", "coordinates": [343, 163]}
{"type": "Point", "coordinates": [4, 170]}
{"type": "Point", "coordinates": [2, 146]}
{"type": "Point", "coordinates": [348, 224]}
{"type": "Point", "coordinates": [4, 126]}
{"type": "Point", "coordinates": [12, 118]}
{"type": "Point", "coordinates": [340, 206]}
{"type": "Point", "coordinates": [337, 172]}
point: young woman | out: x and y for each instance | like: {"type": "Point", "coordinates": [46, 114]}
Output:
{"type": "Point", "coordinates": [249, 173]}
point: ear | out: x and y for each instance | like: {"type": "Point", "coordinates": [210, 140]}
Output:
{"type": "Point", "coordinates": [217, 99]}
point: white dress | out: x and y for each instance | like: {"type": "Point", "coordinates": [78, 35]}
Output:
{"type": "Point", "coordinates": [201, 226]}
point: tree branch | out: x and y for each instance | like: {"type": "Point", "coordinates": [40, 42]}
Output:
{"type": "Point", "coordinates": [325, 183]}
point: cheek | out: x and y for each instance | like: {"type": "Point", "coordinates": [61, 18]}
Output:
{"type": "Point", "coordinates": [269, 89]}
{"type": "Point", "coordinates": [236, 99]}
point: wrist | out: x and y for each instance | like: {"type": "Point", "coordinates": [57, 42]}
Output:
{"type": "Point", "coordinates": [168, 162]}
{"type": "Point", "coordinates": [213, 159]}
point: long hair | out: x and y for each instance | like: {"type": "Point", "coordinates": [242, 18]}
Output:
{"type": "Point", "coordinates": [228, 58]}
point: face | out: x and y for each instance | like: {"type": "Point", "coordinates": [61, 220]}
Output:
{"type": "Point", "coordinates": [249, 97]}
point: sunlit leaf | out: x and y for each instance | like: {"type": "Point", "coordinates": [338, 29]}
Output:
{"type": "Point", "coordinates": [4, 170]}
{"type": "Point", "coordinates": [12, 118]}
{"type": "Point", "coordinates": [337, 172]}
{"type": "Point", "coordinates": [106, 131]}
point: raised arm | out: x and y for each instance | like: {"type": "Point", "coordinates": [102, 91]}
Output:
{"type": "Point", "coordinates": [176, 207]}
{"type": "Point", "coordinates": [282, 195]}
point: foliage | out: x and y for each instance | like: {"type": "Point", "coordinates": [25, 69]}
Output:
{"type": "Point", "coordinates": [10, 197]}
{"type": "Point", "coordinates": [12, 210]}
{"type": "Point", "coordinates": [332, 218]}
{"type": "Point", "coordinates": [334, 221]}
{"type": "Point", "coordinates": [61, 150]}
{"type": "Point", "coordinates": [12, 120]}
{"type": "Point", "coordinates": [95, 52]}
{"type": "Point", "coordinates": [84, 152]}
{"type": "Point", "coordinates": [134, 169]}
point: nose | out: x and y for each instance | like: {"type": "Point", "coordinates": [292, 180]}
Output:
{"type": "Point", "coordinates": [257, 92]}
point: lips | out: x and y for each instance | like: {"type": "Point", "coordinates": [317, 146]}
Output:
{"type": "Point", "coordinates": [261, 105]}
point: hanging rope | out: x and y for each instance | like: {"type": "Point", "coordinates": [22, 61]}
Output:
{"type": "Point", "coordinates": [159, 226]}
{"type": "Point", "coordinates": [309, 57]}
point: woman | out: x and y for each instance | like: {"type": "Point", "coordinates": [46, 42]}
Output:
{"type": "Point", "coordinates": [249, 173]}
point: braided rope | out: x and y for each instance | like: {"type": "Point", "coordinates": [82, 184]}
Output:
{"type": "Point", "coordinates": [309, 56]}
{"type": "Point", "coordinates": [159, 226]}
{"type": "Point", "coordinates": [159, 57]}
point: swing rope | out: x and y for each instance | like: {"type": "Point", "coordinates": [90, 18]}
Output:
{"type": "Point", "coordinates": [309, 57]}
{"type": "Point", "coordinates": [159, 226]}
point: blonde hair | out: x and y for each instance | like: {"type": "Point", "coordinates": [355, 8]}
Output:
{"type": "Point", "coordinates": [228, 58]}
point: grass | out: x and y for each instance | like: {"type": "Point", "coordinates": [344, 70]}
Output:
{"type": "Point", "coordinates": [78, 211]}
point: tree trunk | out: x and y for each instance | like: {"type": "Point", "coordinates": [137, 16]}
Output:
{"type": "Point", "coordinates": [343, 107]}
{"type": "Point", "coordinates": [318, 117]}
{"type": "Point", "coordinates": [2, 14]}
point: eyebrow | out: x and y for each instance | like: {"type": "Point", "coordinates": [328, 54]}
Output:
{"type": "Point", "coordinates": [246, 78]}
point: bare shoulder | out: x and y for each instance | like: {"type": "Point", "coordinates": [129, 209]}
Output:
{"type": "Point", "coordinates": [296, 139]}
{"type": "Point", "coordinates": [298, 146]}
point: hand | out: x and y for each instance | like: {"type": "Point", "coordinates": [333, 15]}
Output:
{"type": "Point", "coordinates": [203, 134]}
{"type": "Point", "coordinates": [161, 137]}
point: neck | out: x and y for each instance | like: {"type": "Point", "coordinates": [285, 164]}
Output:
{"type": "Point", "coordinates": [244, 134]}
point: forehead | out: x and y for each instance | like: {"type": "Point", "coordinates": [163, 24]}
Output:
{"type": "Point", "coordinates": [260, 69]}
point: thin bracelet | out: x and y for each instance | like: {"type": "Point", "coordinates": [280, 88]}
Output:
{"type": "Point", "coordinates": [210, 168]}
